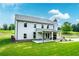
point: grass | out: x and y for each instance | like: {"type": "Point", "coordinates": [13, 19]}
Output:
{"type": "Point", "coordinates": [7, 31]}
{"type": "Point", "coordinates": [71, 35]}
{"type": "Point", "coordinates": [8, 48]}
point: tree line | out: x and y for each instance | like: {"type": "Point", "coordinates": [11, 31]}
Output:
{"type": "Point", "coordinates": [8, 27]}
{"type": "Point", "coordinates": [68, 27]}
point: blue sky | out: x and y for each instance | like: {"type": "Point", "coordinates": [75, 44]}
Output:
{"type": "Point", "coordinates": [7, 11]}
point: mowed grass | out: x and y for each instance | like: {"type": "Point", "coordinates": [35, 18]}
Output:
{"type": "Point", "coordinates": [8, 48]}
{"type": "Point", "coordinates": [71, 35]}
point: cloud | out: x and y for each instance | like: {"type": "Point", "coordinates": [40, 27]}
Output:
{"type": "Point", "coordinates": [77, 20]}
{"type": "Point", "coordinates": [58, 15]}
{"type": "Point", "coordinates": [54, 11]}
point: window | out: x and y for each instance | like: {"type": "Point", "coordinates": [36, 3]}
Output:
{"type": "Point", "coordinates": [34, 25]}
{"type": "Point", "coordinates": [42, 26]}
{"type": "Point", "coordinates": [25, 24]}
{"type": "Point", "coordinates": [47, 26]}
{"type": "Point", "coordinates": [25, 35]}
{"type": "Point", "coordinates": [34, 35]}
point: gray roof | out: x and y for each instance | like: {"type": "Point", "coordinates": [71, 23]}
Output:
{"type": "Point", "coordinates": [32, 19]}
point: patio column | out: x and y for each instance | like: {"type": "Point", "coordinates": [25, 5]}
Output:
{"type": "Point", "coordinates": [52, 35]}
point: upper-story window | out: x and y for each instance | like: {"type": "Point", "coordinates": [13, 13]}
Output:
{"type": "Point", "coordinates": [25, 24]}
{"type": "Point", "coordinates": [42, 26]}
{"type": "Point", "coordinates": [34, 25]}
{"type": "Point", "coordinates": [47, 26]}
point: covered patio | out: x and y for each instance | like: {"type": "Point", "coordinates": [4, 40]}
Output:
{"type": "Point", "coordinates": [44, 35]}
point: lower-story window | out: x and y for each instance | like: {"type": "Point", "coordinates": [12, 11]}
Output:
{"type": "Point", "coordinates": [25, 35]}
{"type": "Point", "coordinates": [34, 35]}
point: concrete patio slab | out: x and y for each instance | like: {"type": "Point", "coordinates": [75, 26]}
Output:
{"type": "Point", "coordinates": [42, 41]}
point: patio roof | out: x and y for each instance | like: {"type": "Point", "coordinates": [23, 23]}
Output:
{"type": "Point", "coordinates": [42, 30]}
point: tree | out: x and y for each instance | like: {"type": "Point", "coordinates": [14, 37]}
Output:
{"type": "Point", "coordinates": [74, 26]}
{"type": "Point", "coordinates": [5, 27]}
{"type": "Point", "coordinates": [66, 28]}
{"type": "Point", "coordinates": [11, 27]}
{"type": "Point", "coordinates": [59, 28]}
{"type": "Point", "coordinates": [77, 27]}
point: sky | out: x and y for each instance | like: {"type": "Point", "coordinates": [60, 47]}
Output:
{"type": "Point", "coordinates": [61, 11]}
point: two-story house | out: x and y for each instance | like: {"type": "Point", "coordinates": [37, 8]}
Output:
{"type": "Point", "coordinates": [29, 27]}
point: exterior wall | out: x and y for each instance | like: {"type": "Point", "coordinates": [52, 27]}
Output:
{"type": "Point", "coordinates": [50, 26]}
{"type": "Point", "coordinates": [55, 26]}
{"type": "Point", "coordinates": [45, 26]}
{"type": "Point", "coordinates": [39, 36]}
{"type": "Point", "coordinates": [16, 30]}
{"type": "Point", "coordinates": [28, 30]}
{"type": "Point", "coordinates": [20, 30]}
{"type": "Point", "coordinates": [38, 25]}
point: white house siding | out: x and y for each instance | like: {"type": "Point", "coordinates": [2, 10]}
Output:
{"type": "Point", "coordinates": [51, 27]}
{"type": "Point", "coordinates": [45, 26]}
{"type": "Point", "coordinates": [20, 30]}
{"type": "Point", "coordinates": [55, 26]}
{"type": "Point", "coordinates": [16, 30]}
{"type": "Point", "coordinates": [38, 25]}
{"type": "Point", "coordinates": [28, 30]}
{"type": "Point", "coordinates": [39, 36]}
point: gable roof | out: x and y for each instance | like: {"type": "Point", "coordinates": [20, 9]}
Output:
{"type": "Point", "coordinates": [32, 19]}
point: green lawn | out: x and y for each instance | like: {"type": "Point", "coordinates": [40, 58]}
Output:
{"type": "Point", "coordinates": [7, 48]}
{"type": "Point", "coordinates": [72, 35]}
